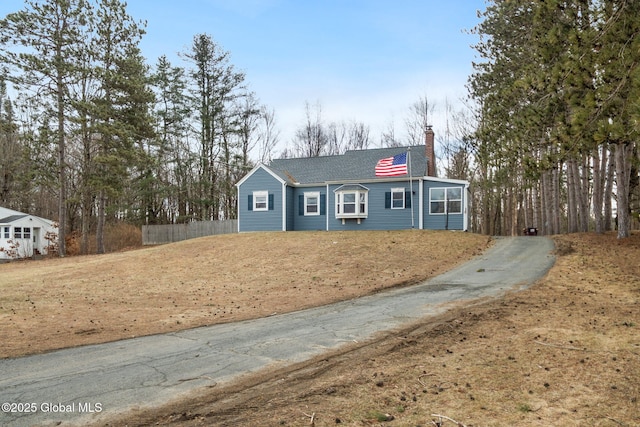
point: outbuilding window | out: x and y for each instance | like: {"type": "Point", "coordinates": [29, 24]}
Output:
{"type": "Point", "coordinates": [6, 232]}
{"type": "Point", "coordinates": [21, 232]}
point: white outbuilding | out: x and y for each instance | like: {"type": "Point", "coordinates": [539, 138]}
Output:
{"type": "Point", "coordinates": [24, 236]}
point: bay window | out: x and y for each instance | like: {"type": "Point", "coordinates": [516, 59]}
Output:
{"type": "Point", "coordinates": [352, 201]}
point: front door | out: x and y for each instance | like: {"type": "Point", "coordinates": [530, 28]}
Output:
{"type": "Point", "coordinates": [37, 250]}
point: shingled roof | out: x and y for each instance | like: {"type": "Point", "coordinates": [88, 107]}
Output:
{"type": "Point", "coordinates": [353, 165]}
{"type": "Point", "coordinates": [11, 218]}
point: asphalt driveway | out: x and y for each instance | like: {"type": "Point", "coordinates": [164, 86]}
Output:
{"type": "Point", "coordinates": [78, 385]}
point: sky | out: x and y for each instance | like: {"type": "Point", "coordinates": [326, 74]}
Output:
{"type": "Point", "coordinates": [360, 60]}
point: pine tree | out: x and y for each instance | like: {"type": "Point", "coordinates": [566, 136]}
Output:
{"type": "Point", "coordinates": [41, 44]}
{"type": "Point", "coordinates": [172, 123]}
{"type": "Point", "coordinates": [618, 60]}
{"type": "Point", "coordinates": [216, 85]}
{"type": "Point", "coordinates": [114, 49]}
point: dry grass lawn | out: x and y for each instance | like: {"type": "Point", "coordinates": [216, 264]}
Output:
{"type": "Point", "coordinates": [564, 352]}
{"type": "Point", "coordinates": [59, 303]}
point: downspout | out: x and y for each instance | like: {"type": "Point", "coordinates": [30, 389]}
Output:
{"type": "Point", "coordinates": [284, 206]}
{"type": "Point", "coordinates": [465, 219]}
{"type": "Point", "coordinates": [238, 208]}
{"type": "Point", "coordinates": [326, 208]}
{"type": "Point", "coordinates": [421, 206]}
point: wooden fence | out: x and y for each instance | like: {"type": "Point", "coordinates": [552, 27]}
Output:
{"type": "Point", "coordinates": [158, 234]}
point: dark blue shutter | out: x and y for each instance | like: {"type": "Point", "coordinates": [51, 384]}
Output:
{"type": "Point", "coordinates": [270, 202]}
{"type": "Point", "coordinates": [250, 205]}
{"type": "Point", "coordinates": [407, 199]}
{"type": "Point", "coordinates": [301, 205]}
{"type": "Point", "coordinates": [323, 204]}
{"type": "Point", "coordinates": [387, 200]}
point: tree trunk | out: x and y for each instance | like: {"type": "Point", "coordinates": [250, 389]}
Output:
{"type": "Point", "coordinates": [599, 168]}
{"type": "Point", "coordinates": [608, 190]}
{"type": "Point", "coordinates": [623, 169]}
{"type": "Point", "coordinates": [102, 200]}
{"type": "Point", "coordinates": [62, 167]}
{"type": "Point", "coordinates": [572, 183]}
{"type": "Point", "coordinates": [583, 195]}
{"type": "Point", "coordinates": [555, 197]}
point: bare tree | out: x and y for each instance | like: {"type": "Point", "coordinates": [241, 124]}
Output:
{"type": "Point", "coordinates": [419, 118]}
{"type": "Point", "coordinates": [268, 134]}
{"type": "Point", "coordinates": [388, 137]}
{"type": "Point", "coordinates": [358, 136]}
{"type": "Point", "coordinates": [311, 139]}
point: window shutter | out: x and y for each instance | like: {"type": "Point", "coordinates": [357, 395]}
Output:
{"type": "Point", "coordinates": [407, 199]}
{"type": "Point", "coordinates": [270, 202]}
{"type": "Point", "coordinates": [250, 205]}
{"type": "Point", "coordinates": [301, 205]}
{"type": "Point", "coordinates": [323, 204]}
{"type": "Point", "coordinates": [387, 200]}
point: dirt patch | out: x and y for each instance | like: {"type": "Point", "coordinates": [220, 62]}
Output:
{"type": "Point", "coordinates": [565, 351]}
{"type": "Point", "coordinates": [59, 303]}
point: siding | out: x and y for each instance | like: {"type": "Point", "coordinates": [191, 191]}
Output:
{"type": "Point", "coordinates": [309, 222]}
{"type": "Point", "coordinates": [270, 220]}
{"type": "Point", "coordinates": [379, 217]}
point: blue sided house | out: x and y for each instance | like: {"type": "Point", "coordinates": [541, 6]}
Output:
{"type": "Point", "coordinates": [376, 189]}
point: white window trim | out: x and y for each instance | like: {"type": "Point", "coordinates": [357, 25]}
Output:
{"type": "Point", "coordinates": [260, 194]}
{"type": "Point", "coordinates": [310, 195]}
{"type": "Point", "coordinates": [398, 190]}
{"type": "Point", "coordinates": [445, 201]}
{"type": "Point", "coordinates": [357, 214]}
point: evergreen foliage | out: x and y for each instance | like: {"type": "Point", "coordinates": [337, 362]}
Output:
{"type": "Point", "coordinates": [555, 88]}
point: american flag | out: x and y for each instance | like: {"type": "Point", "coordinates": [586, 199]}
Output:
{"type": "Point", "coordinates": [392, 166]}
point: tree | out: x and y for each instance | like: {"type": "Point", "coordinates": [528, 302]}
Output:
{"type": "Point", "coordinates": [554, 91]}
{"type": "Point", "coordinates": [11, 149]}
{"type": "Point", "coordinates": [172, 125]}
{"type": "Point", "coordinates": [118, 68]}
{"type": "Point", "coordinates": [41, 44]}
{"type": "Point", "coordinates": [419, 119]}
{"type": "Point", "coordinates": [216, 85]}
{"type": "Point", "coordinates": [268, 135]}
{"type": "Point", "coordinates": [311, 139]}
{"type": "Point", "coordinates": [618, 60]}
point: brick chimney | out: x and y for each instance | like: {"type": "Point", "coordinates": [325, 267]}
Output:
{"type": "Point", "coordinates": [431, 153]}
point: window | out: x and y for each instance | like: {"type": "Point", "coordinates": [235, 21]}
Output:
{"type": "Point", "coordinates": [454, 200]}
{"type": "Point", "coordinates": [17, 232]}
{"type": "Point", "coordinates": [312, 203]}
{"type": "Point", "coordinates": [5, 232]}
{"type": "Point", "coordinates": [397, 198]}
{"type": "Point", "coordinates": [352, 202]}
{"type": "Point", "coordinates": [260, 200]}
{"type": "Point", "coordinates": [26, 233]}
{"type": "Point", "coordinates": [445, 200]}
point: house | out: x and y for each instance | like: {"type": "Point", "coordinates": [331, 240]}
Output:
{"type": "Point", "coordinates": [345, 192]}
{"type": "Point", "coordinates": [23, 235]}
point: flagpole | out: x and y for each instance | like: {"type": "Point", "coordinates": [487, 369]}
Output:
{"type": "Point", "coordinates": [410, 184]}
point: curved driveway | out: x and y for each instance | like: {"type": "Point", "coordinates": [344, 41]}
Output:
{"type": "Point", "coordinates": [77, 385]}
